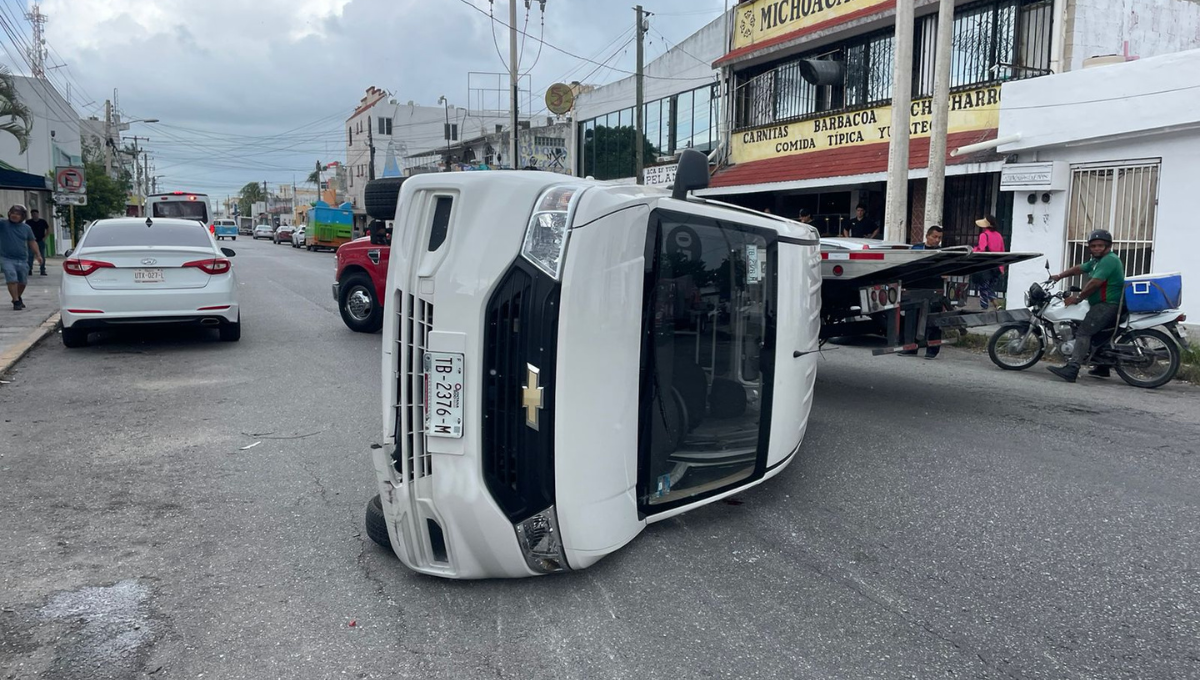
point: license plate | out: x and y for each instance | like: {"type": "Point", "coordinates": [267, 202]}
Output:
{"type": "Point", "coordinates": [148, 276]}
{"type": "Point", "coordinates": [443, 394]}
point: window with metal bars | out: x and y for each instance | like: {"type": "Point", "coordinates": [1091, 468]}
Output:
{"type": "Point", "coordinates": [992, 41]}
{"type": "Point", "coordinates": [1120, 198]}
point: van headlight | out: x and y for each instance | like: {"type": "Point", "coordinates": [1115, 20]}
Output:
{"type": "Point", "coordinates": [549, 229]}
{"type": "Point", "coordinates": [541, 542]}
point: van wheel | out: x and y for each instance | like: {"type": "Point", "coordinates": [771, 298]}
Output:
{"type": "Point", "coordinates": [74, 337]}
{"type": "Point", "coordinates": [359, 307]}
{"type": "Point", "coordinates": [377, 523]}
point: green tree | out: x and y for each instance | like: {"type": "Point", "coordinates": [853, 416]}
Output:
{"type": "Point", "coordinates": [313, 177]}
{"type": "Point", "coordinates": [249, 195]}
{"type": "Point", "coordinates": [19, 117]}
{"type": "Point", "coordinates": [106, 196]}
{"type": "Point", "coordinates": [608, 152]}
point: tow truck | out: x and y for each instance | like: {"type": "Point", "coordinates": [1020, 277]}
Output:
{"type": "Point", "coordinates": [873, 287]}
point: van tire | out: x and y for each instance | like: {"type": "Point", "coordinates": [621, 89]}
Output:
{"type": "Point", "coordinates": [364, 321]}
{"type": "Point", "coordinates": [377, 523]}
{"type": "Point", "coordinates": [381, 196]}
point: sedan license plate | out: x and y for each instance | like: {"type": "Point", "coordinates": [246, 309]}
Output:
{"type": "Point", "coordinates": [443, 394]}
{"type": "Point", "coordinates": [148, 276]}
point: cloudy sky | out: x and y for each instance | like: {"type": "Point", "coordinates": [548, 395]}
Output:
{"type": "Point", "coordinates": [254, 90]}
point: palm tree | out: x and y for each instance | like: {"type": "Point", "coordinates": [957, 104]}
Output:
{"type": "Point", "coordinates": [20, 118]}
{"type": "Point", "coordinates": [314, 177]}
{"type": "Point", "coordinates": [249, 195]}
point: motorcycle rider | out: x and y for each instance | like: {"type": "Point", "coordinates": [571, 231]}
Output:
{"type": "Point", "coordinates": [1103, 293]}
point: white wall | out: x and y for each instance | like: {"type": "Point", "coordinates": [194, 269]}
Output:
{"type": "Point", "coordinates": [1105, 101]}
{"type": "Point", "coordinates": [1152, 27]}
{"type": "Point", "coordinates": [684, 67]}
{"type": "Point", "coordinates": [1174, 231]}
{"type": "Point", "coordinates": [1140, 110]}
{"type": "Point", "coordinates": [51, 114]}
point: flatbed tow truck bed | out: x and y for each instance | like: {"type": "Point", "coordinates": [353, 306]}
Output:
{"type": "Point", "coordinates": [872, 288]}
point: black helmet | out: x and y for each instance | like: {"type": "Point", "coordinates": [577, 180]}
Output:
{"type": "Point", "coordinates": [1101, 235]}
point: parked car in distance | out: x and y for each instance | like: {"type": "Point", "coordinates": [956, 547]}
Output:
{"type": "Point", "coordinates": [264, 231]}
{"type": "Point", "coordinates": [298, 237]}
{"type": "Point", "coordinates": [132, 271]}
{"type": "Point", "coordinates": [283, 234]}
{"type": "Point", "coordinates": [225, 228]}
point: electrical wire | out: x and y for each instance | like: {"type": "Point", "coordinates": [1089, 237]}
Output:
{"type": "Point", "coordinates": [556, 48]}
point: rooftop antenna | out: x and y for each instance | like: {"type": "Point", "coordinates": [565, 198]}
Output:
{"type": "Point", "coordinates": [37, 50]}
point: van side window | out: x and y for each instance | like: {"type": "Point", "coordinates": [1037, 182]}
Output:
{"type": "Point", "coordinates": [441, 222]}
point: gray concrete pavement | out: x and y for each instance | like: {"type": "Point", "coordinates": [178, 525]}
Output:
{"type": "Point", "coordinates": [21, 330]}
{"type": "Point", "coordinates": [944, 519]}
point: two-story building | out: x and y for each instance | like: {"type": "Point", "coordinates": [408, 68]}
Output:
{"type": "Point", "coordinates": [682, 96]}
{"type": "Point", "coordinates": [812, 83]}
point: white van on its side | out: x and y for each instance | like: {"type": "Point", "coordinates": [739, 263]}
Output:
{"type": "Point", "coordinates": [566, 361]}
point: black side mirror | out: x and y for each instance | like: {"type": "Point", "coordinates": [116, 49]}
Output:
{"type": "Point", "coordinates": [68, 253]}
{"type": "Point", "coordinates": [228, 252]}
{"type": "Point", "coordinates": [691, 174]}
{"type": "Point", "coordinates": [1047, 265]}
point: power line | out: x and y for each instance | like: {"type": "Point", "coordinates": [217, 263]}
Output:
{"type": "Point", "coordinates": [559, 49]}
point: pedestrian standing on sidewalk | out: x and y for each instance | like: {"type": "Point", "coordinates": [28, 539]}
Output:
{"type": "Point", "coordinates": [990, 241]}
{"type": "Point", "coordinates": [40, 228]}
{"type": "Point", "coordinates": [16, 238]}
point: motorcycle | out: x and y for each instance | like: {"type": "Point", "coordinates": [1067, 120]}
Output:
{"type": "Point", "coordinates": [1141, 353]}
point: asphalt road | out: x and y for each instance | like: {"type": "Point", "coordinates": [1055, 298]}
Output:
{"type": "Point", "coordinates": [944, 519]}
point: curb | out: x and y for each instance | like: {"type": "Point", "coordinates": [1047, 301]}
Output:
{"type": "Point", "coordinates": [9, 358]}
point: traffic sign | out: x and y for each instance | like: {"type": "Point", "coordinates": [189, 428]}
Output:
{"type": "Point", "coordinates": [69, 179]}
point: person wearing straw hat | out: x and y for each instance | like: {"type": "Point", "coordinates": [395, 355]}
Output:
{"type": "Point", "coordinates": [990, 241]}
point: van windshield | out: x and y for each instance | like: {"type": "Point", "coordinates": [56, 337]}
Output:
{"type": "Point", "coordinates": [707, 357]}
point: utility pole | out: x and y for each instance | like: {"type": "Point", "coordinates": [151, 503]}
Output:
{"type": "Point", "coordinates": [108, 137]}
{"type": "Point", "coordinates": [935, 185]}
{"type": "Point", "coordinates": [896, 214]}
{"type": "Point", "coordinates": [640, 106]}
{"type": "Point", "coordinates": [371, 147]}
{"type": "Point", "coordinates": [146, 170]}
{"type": "Point", "coordinates": [37, 50]}
{"type": "Point", "coordinates": [513, 77]}
{"type": "Point", "coordinates": [137, 172]}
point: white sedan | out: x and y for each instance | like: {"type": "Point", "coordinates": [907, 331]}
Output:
{"type": "Point", "coordinates": [298, 237]}
{"type": "Point", "coordinates": [130, 271]}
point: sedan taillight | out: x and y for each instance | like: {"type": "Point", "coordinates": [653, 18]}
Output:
{"type": "Point", "coordinates": [78, 267]}
{"type": "Point", "coordinates": [217, 265]}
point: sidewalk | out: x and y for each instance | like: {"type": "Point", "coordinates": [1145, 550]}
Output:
{"type": "Point", "coordinates": [21, 330]}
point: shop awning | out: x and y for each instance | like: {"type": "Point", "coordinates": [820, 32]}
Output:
{"type": "Point", "coordinates": [15, 179]}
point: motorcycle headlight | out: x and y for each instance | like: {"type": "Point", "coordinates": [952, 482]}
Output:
{"type": "Point", "coordinates": [549, 229]}
{"type": "Point", "coordinates": [541, 542]}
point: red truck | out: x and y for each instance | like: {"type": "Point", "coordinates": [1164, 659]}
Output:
{"type": "Point", "coordinates": [362, 264]}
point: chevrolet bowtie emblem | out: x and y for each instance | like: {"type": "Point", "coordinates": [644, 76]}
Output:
{"type": "Point", "coordinates": [531, 396]}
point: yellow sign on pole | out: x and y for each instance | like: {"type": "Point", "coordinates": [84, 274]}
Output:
{"type": "Point", "coordinates": [969, 111]}
{"type": "Point", "coordinates": [560, 98]}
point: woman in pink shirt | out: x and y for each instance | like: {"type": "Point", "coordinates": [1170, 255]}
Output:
{"type": "Point", "coordinates": [990, 241]}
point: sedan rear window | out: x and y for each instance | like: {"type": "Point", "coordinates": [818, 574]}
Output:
{"type": "Point", "coordinates": [138, 234]}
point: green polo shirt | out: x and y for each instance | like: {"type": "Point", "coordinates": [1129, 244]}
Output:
{"type": "Point", "coordinates": [1110, 270]}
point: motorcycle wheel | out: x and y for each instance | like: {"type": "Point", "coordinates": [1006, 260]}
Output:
{"type": "Point", "coordinates": [1159, 362]}
{"type": "Point", "coordinates": [1013, 348]}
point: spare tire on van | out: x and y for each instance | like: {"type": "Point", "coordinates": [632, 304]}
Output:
{"type": "Point", "coordinates": [381, 196]}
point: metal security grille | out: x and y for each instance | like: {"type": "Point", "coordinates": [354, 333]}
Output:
{"type": "Point", "coordinates": [1122, 198]}
{"type": "Point", "coordinates": [415, 321]}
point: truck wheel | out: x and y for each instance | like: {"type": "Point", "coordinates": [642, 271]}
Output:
{"type": "Point", "coordinates": [381, 195]}
{"type": "Point", "coordinates": [377, 523]}
{"type": "Point", "coordinates": [360, 309]}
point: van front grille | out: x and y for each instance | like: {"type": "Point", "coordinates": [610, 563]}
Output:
{"type": "Point", "coordinates": [414, 320]}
